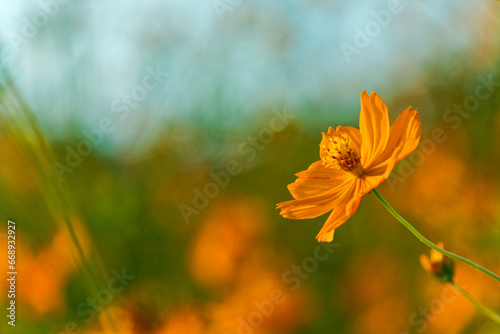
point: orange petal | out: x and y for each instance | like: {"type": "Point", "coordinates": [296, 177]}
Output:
{"type": "Point", "coordinates": [436, 256]}
{"type": "Point", "coordinates": [317, 180]}
{"type": "Point", "coordinates": [309, 187]}
{"type": "Point", "coordinates": [369, 181]}
{"type": "Point", "coordinates": [426, 263]}
{"type": "Point", "coordinates": [404, 135]}
{"type": "Point", "coordinates": [374, 128]}
{"type": "Point", "coordinates": [403, 139]}
{"type": "Point", "coordinates": [342, 212]}
{"type": "Point", "coordinates": [338, 216]}
{"type": "Point", "coordinates": [311, 207]}
{"type": "Point", "coordinates": [318, 171]}
{"type": "Point", "coordinates": [353, 133]}
{"type": "Point", "coordinates": [381, 172]}
{"type": "Point", "coordinates": [358, 192]}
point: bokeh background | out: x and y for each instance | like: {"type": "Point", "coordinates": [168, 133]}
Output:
{"type": "Point", "coordinates": [116, 115]}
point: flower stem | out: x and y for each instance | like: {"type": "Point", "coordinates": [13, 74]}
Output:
{"type": "Point", "coordinates": [486, 310]}
{"type": "Point", "coordinates": [431, 244]}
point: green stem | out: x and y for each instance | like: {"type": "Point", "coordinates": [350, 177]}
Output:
{"type": "Point", "coordinates": [486, 310]}
{"type": "Point", "coordinates": [430, 244]}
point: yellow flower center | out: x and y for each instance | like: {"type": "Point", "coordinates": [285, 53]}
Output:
{"type": "Point", "coordinates": [339, 152]}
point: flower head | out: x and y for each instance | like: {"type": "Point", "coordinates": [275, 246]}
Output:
{"type": "Point", "coordinates": [441, 266]}
{"type": "Point", "coordinates": [353, 162]}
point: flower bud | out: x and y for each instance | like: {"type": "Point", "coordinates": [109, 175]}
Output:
{"type": "Point", "coordinates": [442, 267]}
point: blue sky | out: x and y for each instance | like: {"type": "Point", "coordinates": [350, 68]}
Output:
{"type": "Point", "coordinates": [260, 55]}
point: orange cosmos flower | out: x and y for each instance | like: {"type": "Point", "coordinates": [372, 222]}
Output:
{"type": "Point", "coordinates": [353, 162]}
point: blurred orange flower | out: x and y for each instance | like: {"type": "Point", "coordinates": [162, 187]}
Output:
{"type": "Point", "coordinates": [183, 321]}
{"type": "Point", "coordinates": [438, 264]}
{"type": "Point", "coordinates": [43, 274]}
{"type": "Point", "coordinates": [374, 291]}
{"type": "Point", "coordinates": [261, 303]}
{"type": "Point", "coordinates": [228, 236]}
{"type": "Point", "coordinates": [353, 162]}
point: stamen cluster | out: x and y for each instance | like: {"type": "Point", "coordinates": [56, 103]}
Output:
{"type": "Point", "coordinates": [339, 152]}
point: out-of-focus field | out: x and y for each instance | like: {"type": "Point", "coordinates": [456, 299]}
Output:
{"type": "Point", "coordinates": [231, 264]}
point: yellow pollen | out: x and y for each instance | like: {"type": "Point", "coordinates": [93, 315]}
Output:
{"type": "Point", "coordinates": [340, 153]}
